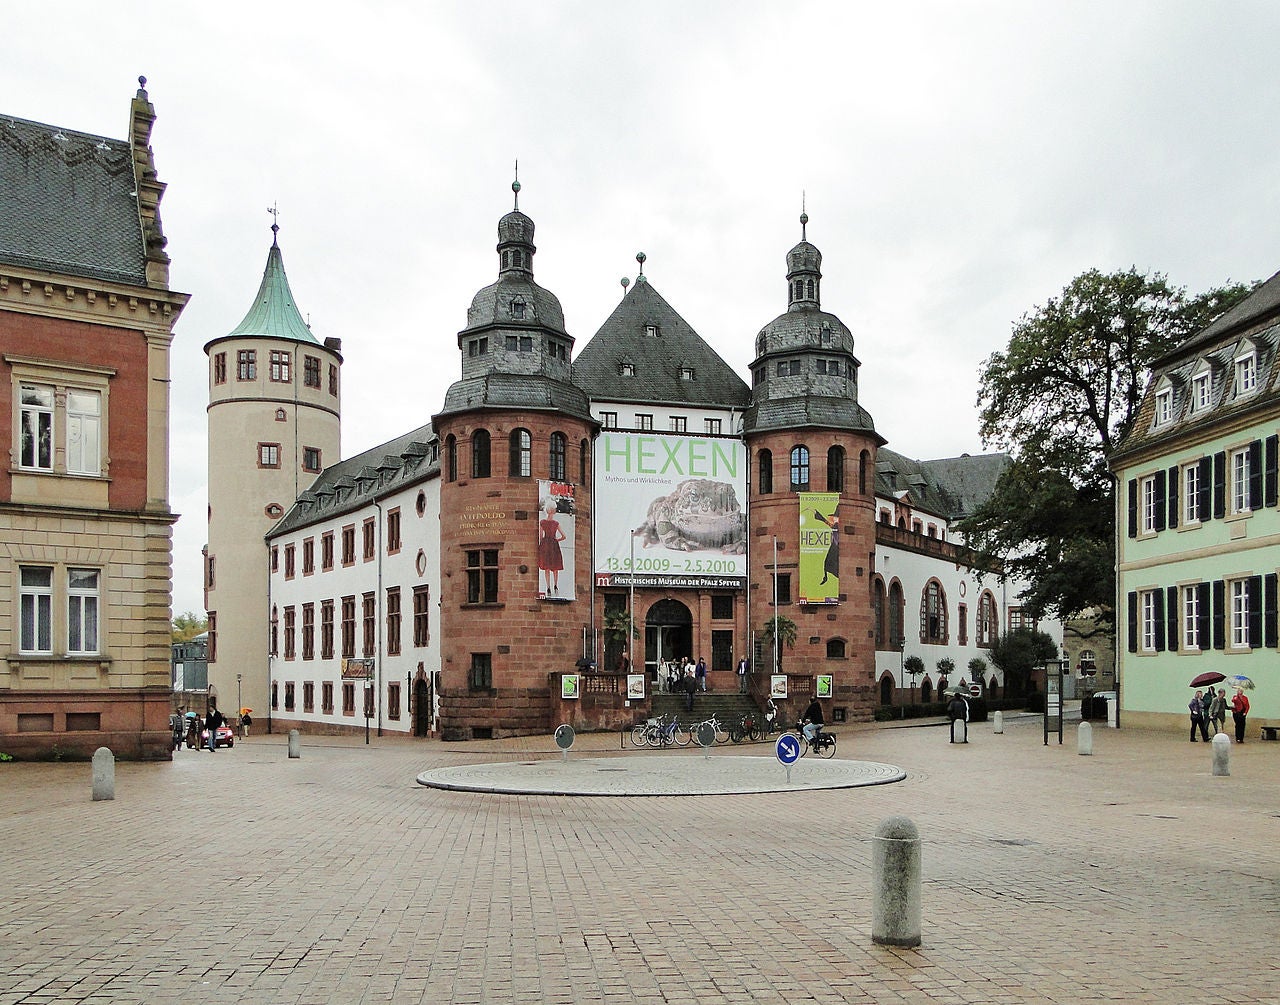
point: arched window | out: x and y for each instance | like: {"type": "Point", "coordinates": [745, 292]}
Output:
{"type": "Point", "coordinates": [799, 469]}
{"type": "Point", "coordinates": [862, 473]}
{"type": "Point", "coordinates": [451, 458]}
{"type": "Point", "coordinates": [877, 612]}
{"type": "Point", "coordinates": [582, 463]}
{"type": "Point", "coordinates": [835, 469]}
{"type": "Point", "coordinates": [799, 289]}
{"type": "Point", "coordinates": [835, 649]}
{"type": "Point", "coordinates": [808, 288]}
{"type": "Point", "coordinates": [988, 620]}
{"type": "Point", "coordinates": [480, 454]}
{"type": "Point", "coordinates": [559, 447]}
{"type": "Point", "coordinates": [764, 484]}
{"type": "Point", "coordinates": [518, 258]}
{"type": "Point", "coordinates": [933, 614]}
{"type": "Point", "coordinates": [521, 442]}
{"type": "Point", "coordinates": [897, 612]}
{"type": "Point", "coordinates": [275, 630]}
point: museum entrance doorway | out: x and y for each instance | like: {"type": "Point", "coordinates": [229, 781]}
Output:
{"type": "Point", "coordinates": [668, 635]}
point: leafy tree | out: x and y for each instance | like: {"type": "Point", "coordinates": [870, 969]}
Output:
{"type": "Point", "coordinates": [978, 669]}
{"type": "Point", "coordinates": [1017, 651]}
{"type": "Point", "coordinates": [946, 666]}
{"type": "Point", "coordinates": [1059, 398]}
{"type": "Point", "coordinates": [187, 626]}
{"type": "Point", "coordinates": [616, 625]}
{"type": "Point", "coordinates": [785, 630]}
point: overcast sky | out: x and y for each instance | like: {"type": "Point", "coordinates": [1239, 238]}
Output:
{"type": "Point", "coordinates": [961, 163]}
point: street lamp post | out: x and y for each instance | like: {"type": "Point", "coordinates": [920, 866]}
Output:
{"type": "Point", "coordinates": [239, 704]}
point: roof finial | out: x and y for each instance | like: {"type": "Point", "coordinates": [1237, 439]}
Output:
{"type": "Point", "coordinates": [274, 210]}
{"type": "Point", "coordinates": [640, 257]}
{"type": "Point", "coordinates": [625, 283]}
{"type": "Point", "coordinates": [804, 218]}
{"type": "Point", "coordinates": [515, 187]}
{"type": "Point", "coordinates": [142, 86]}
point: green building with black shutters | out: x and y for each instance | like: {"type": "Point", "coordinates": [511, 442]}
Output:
{"type": "Point", "coordinates": [1198, 542]}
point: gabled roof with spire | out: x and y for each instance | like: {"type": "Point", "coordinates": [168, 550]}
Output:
{"type": "Point", "coordinates": [646, 352]}
{"type": "Point", "coordinates": [274, 313]}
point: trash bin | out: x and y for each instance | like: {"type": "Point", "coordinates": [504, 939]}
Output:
{"type": "Point", "coordinates": [1098, 709]}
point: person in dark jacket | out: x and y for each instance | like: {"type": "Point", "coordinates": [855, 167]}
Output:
{"type": "Point", "coordinates": [211, 722]}
{"type": "Point", "coordinates": [813, 720]}
{"type": "Point", "coordinates": [690, 685]}
{"type": "Point", "coordinates": [1196, 707]}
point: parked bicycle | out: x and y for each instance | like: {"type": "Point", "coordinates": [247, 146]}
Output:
{"type": "Point", "coordinates": [823, 743]}
{"type": "Point", "coordinates": [749, 727]}
{"type": "Point", "coordinates": [662, 731]}
{"type": "Point", "coordinates": [721, 731]}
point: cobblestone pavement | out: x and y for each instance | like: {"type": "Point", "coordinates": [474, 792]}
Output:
{"type": "Point", "coordinates": [1132, 875]}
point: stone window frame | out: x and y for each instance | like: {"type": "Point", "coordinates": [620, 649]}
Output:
{"type": "Point", "coordinates": [393, 620]}
{"type": "Point", "coordinates": [281, 366]}
{"type": "Point", "coordinates": [269, 456]}
{"type": "Point", "coordinates": [394, 539]}
{"type": "Point", "coordinates": [246, 364]}
{"type": "Point", "coordinates": [558, 457]}
{"type": "Point", "coordinates": [311, 371]}
{"type": "Point", "coordinates": [31, 593]}
{"type": "Point", "coordinates": [219, 367]}
{"type": "Point", "coordinates": [520, 453]}
{"type": "Point", "coordinates": [62, 378]}
{"type": "Point", "coordinates": [311, 459]}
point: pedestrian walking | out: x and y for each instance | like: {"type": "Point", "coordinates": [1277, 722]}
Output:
{"type": "Point", "coordinates": [700, 672]}
{"type": "Point", "coordinates": [743, 667]}
{"type": "Point", "coordinates": [1239, 712]}
{"type": "Point", "coordinates": [690, 685]}
{"type": "Point", "coordinates": [1218, 711]}
{"type": "Point", "coordinates": [211, 722]}
{"type": "Point", "coordinates": [1196, 707]}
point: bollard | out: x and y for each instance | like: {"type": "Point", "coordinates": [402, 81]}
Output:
{"type": "Point", "coordinates": [1222, 755]}
{"type": "Point", "coordinates": [1084, 739]}
{"type": "Point", "coordinates": [998, 718]}
{"type": "Point", "coordinates": [959, 731]}
{"type": "Point", "coordinates": [895, 878]}
{"type": "Point", "coordinates": [104, 774]}
{"type": "Point", "coordinates": [294, 744]}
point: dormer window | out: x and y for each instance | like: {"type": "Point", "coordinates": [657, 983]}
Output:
{"type": "Point", "coordinates": [1164, 406]}
{"type": "Point", "coordinates": [627, 369]}
{"type": "Point", "coordinates": [686, 373]}
{"type": "Point", "coordinates": [825, 335]}
{"type": "Point", "coordinates": [1200, 391]}
{"type": "Point", "coordinates": [1246, 373]}
{"type": "Point", "coordinates": [651, 331]}
{"type": "Point", "coordinates": [517, 308]}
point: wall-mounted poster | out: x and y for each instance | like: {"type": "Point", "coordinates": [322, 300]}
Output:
{"type": "Point", "coordinates": [819, 548]}
{"type": "Point", "coordinates": [557, 517]}
{"type": "Point", "coordinates": [674, 505]}
{"type": "Point", "coordinates": [822, 685]}
{"type": "Point", "coordinates": [635, 685]}
{"type": "Point", "coordinates": [569, 685]}
{"type": "Point", "coordinates": [778, 685]}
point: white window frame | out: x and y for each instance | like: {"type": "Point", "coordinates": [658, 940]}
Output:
{"type": "Point", "coordinates": [84, 607]}
{"type": "Point", "coordinates": [1201, 391]}
{"type": "Point", "coordinates": [1239, 606]}
{"type": "Point", "coordinates": [1149, 599]}
{"type": "Point", "coordinates": [35, 625]}
{"type": "Point", "coordinates": [36, 417]}
{"type": "Point", "coordinates": [1191, 493]}
{"type": "Point", "coordinates": [1147, 504]}
{"type": "Point", "coordinates": [84, 432]}
{"type": "Point", "coordinates": [1164, 407]}
{"type": "Point", "coordinates": [1247, 373]}
{"type": "Point", "coordinates": [1191, 618]}
{"type": "Point", "coordinates": [1239, 461]}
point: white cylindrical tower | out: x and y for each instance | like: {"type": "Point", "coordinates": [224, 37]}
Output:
{"type": "Point", "coordinates": [274, 424]}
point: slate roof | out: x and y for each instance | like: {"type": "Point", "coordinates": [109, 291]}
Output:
{"type": "Point", "coordinates": [804, 410]}
{"type": "Point", "coordinates": [68, 203]}
{"type": "Point", "coordinates": [513, 390]}
{"type": "Point", "coordinates": [1256, 318]}
{"type": "Point", "coordinates": [351, 484]}
{"type": "Point", "coordinates": [952, 487]}
{"type": "Point", "coordinates": [274, 313]}
{"type": "Point", "coordinates": [657, 361]}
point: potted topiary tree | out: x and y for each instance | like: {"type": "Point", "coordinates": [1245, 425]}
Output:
{"type": "Point", "coordinates": [913, 665]}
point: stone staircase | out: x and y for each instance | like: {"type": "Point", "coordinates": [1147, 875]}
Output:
{"type": "Point", "coordinates": [730, 707]}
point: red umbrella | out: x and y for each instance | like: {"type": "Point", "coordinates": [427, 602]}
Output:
{"type": "Point", "coordinates": [1208, 677]}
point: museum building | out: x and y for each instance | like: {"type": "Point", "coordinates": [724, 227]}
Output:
{"type": "Point", "coordinates": [448, 580]}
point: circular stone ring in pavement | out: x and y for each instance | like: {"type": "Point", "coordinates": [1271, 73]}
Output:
{"type": "Point", "coordinates": [658, 776]}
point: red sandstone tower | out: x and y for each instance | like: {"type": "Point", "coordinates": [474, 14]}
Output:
{"type": "Point", "coordinates": [515, 519]}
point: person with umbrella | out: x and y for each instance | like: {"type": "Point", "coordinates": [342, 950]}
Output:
{"type": "Point", "coordinates": [1239, 712]}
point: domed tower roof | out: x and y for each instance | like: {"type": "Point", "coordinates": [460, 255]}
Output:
{"type": "Point", "coordinates": [515, 350]}
{"type": "Point", "coordinates": [515, 297]}
{"type": "Point", "coordinates": [274, 313]}
{"type": "Point", "coordinates": [804, 373]}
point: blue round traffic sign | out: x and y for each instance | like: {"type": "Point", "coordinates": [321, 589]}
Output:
{"type": "Point", "coordinates": [788, 748]}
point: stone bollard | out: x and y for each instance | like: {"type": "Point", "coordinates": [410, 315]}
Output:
{"type": "Point", "coordinates": [1084, 739]}
{"type": "Point", "coordinates": [295, 744]}
{"type": "Point", "coordinates": [895, 878]}
{"type": "Point", "coordinates": [1222, 755]}
{"type": "Point", "coordinates": [104, 774]}
{"type": "Point", "coordinates": [959, 731]}
{"type": "Point", "coordinates": [998, 718]}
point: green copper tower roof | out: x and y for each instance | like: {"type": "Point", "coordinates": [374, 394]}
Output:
{"type": "Point", "coordinates": [274, 313]}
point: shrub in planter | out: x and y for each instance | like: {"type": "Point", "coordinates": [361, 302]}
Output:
{"type": "Point", "coordinates": [1035, 702]}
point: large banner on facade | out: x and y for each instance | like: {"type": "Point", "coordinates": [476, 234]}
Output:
{"type": "Point", "coordinates": [557, 519]}
{"type": "Point", "coordinates": [673, 505]}
{"type": "Point", "coordinates": [819, 548]}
